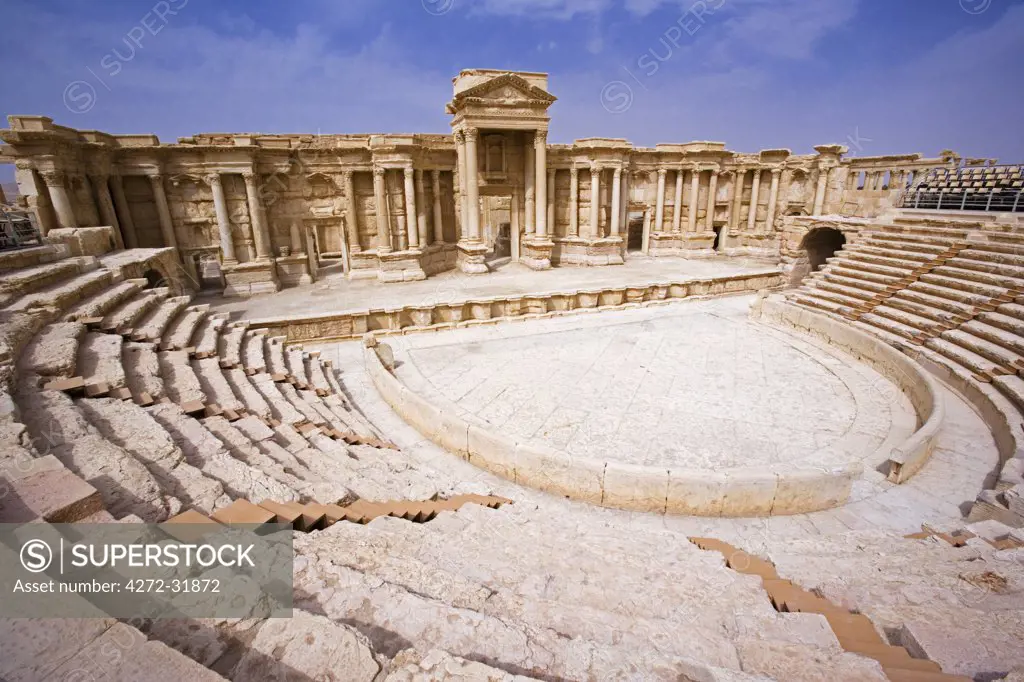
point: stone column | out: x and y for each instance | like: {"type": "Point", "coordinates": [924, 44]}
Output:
{"type": "Point", "coordinates": [709, 218]}
{"type": "Point", "coordinates": [421, 211]}
{"type": "Point", "coordinates": [257, 217]}
{"type": "Point", "coordinates": [472, 186]}
{"type": "Point", "coordinates": [529, 185]}
{"type": "Point", "coordinates": [410, 209]}
{"type": "Point", "coordinates": [220, 208]}
{"type": "Point", "coordinates": [574, 202]}
{"type": "Point", "coordinates": [104, 202]}
{"type": "Point", "coordinates": [124, 213]}
{"type": "Point", "coordinates": [380, 201]}
{"type": "Point", "coordinates": [691, 222]}
{"type": "Point", "coordinates": [677, 213]}
{"type": "Point", "coordinates": [659, 211]}
{"type": "Point", "coordinates": [435, 179]}
{"type": "Point", "coordinates": [616, 201]}
{"type": "Point", "coordinates": [754, 192]}
{"type": "Point", "coordinates": [820, 190]}
{"type": "Point", "coordinates": [540, 149]}
{"type": "Point", "coordinates": [513, 218]}
{"type": "Point", "coordinates": [737, 199]}
{"type": "Point", "coordinates": [295, 235]}
{"type": "Point", "coordinates": [460, 186]}
{"type": "Point", "coordinates": [551, 200]}
{"type": "Point", "coordinates": [595, 202]}
{"type": "Point", "coordinates": [773, 197]}
{"type": "Point", "coordinates": [351, 212]}
{"type": "Point", "coordinates": [59, 198]}
{"type": "Point", "coordinates": [163, 210]}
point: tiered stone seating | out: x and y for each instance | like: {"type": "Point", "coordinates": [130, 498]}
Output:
{"type": "Point", "coordinates": [951, 293]}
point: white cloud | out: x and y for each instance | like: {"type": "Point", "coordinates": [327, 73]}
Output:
{"type": "Point", "coordinates": [542, 9]}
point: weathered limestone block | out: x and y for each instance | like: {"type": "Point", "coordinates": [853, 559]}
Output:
{"type": "Point", "coordinates": [230, 344]}
{"type": "Point", "coordinates": [556, 472]}
{"type": "Point", "coordinates": [84, 241]}
{"type": "Point", "coordinates": [142, 369]}
{"type": "Point", "coordinates": [637, 488]}
{"type": "Point", "coordinates": [16, 330]}
{"type": "Point", "coordinates": [105, 301]}
{"type": "Point", "coordinates": [134, 430]}
{"type": "Point", "coordinates": [215, 385]}
{"type": "Point", "coordinates": [273, 349]}
{"type": "Point", "coordinates": [99, 359]}
{"type": "Point", "coordinates": [124, 316]}
{"type": "Point", "coordinates": [51, 495]}
{"type": "Point", "coordinates": [66, 294]}
{"type": "Point", "coordinates": [280, 407]}
{"type": "Point", "coordinates": [179, 333]}
{"type": "Point", "coordinates": [695, 492]}
{"type": "Point", "coordinates": [206, 336]}
{"type": "Point", "coordinates": [32, 649]}
{"type": "Point", "coordinates": [489, 450]}
{"type": "Point", "coordinates": [153, 325]}
{"type": "Point", "coordinates": [251, 399]}
{"type": "Point", "coordinates": [124, 653]}
{"type": "Point", "coordinates": [307, 647]}
{"type": "Point", "coordinates": [440, 666]}
{"type": "Point", "coordinates": [205, 452]}
{"type": "Point", "coordinates": [749, 492]}
{"type": "Point", "coordinates": [26, 280]}
{"type": "Point", "coordinates": [180, 382]}
{"type": "Point", "coordinates": [253, 350]}
{"type": "Point", "coordinates": [59, 428]}
{"type": "Point", "coordinates": [806, 490]}
{"type": "Point", "coordinates": [53, 353]}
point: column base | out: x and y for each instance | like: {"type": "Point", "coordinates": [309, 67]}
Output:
{"type": "Point", "coordinates": [294, 270]}
{"type": "Point", "coordinates": [535, 252]}
{"type": "Point", "coordinates": [251, 278]}
{"type": "Point", "coordinates": [400, 266]}
{"type": "Point", "coordinates": [590, 252]}
{"type": "Point", "coordinates": [470, 258]}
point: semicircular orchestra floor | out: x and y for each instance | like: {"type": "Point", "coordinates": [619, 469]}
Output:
{"type": "Point", "coordinates": [693, 386]}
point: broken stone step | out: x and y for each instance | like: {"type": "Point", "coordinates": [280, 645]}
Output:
{"type": "Point", "coordinates": [142, 369]}
{"type": "Point", "coordinates": [252, 350]}
{"type": "Point", "coordinates": [65, 294]}
{"type": "Point", "coordinates": [54, 351]}
{"type": "Point", "coordinates": [98, 305]}
{"type": "Point", "coordinates": [206, 336]}
{"type": "Point", "coordinates": [99, 359]}
{"type": "Point", "coordinates": [215, 385]}
{"type": "Point", "coordinates": [180, 382]}
{"type": "Point", "coordinates": [230, 344]}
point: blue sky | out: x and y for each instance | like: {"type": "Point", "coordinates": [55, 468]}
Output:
{"type": "Point", "coordinates": [882, 76]}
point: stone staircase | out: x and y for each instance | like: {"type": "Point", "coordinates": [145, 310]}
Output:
{"type": "Point", "coordinates": [946, 292]}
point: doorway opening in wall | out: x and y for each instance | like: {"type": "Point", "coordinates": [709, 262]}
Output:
{"type": "Point", "coordinates": [821, 244]}
{"type": "Point", "coordinates": [155, 279]}
{"type": "Point", "coordinates": [635, 235]}
{"type": "Point", "coordinates": [717, 244]}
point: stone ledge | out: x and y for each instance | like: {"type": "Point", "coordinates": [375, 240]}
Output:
{"type": "Point", "coordinates": [752, 491]}
{"type": "Point", "coordinates": [921, 389]}
{"type": "Point", "coordinates": [353, 324]}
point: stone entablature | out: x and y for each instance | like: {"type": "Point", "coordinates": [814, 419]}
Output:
{"type": "Point", "coordinates": [396, 206]}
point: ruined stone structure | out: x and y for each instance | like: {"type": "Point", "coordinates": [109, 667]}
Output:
{"type": "Point", "coordinates": [250, 213]}
{"type": "Point", "coordinates": [802, 464]}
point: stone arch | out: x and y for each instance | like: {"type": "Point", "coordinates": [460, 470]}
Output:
{"type": "Point", "coordinates": [821, 244]}
{"type": "Point", "coordinates": [155, 279]}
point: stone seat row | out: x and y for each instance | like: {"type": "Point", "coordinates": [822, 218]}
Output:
{"type": "Point", "coordinates": [854, 631]}
{"type": "Point", "coordinates": [139, 445]}
{"type": "Point", "coordinates": [316, 516]}
{"type": "Point", "coordinates": [959, 313]}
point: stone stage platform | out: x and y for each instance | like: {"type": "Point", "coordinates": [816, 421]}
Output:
{"type": "Point", "coordinates": [334, 294]}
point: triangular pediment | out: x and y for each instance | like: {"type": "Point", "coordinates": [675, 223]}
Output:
{"type": "Point", "coordinates": [507, 89]}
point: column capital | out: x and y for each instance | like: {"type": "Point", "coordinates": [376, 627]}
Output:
{"type": "Point", "coordinates": [776, 172]}
{"type": "Point", "coordinates": [155, 178]}
{"type": "Point", "coordinates": [574, 171]}
{"type": "Point", "coordinates": [53, 177]}
{"type": "Point", "coordinates": [378, 172]}
{"type": "Point", "coordinates": [662, 172]}
{"type": "Point", "coordinates": [213, 179]}
{"type": "Point", "coordinates": [102, 176]}
{"type": "Point", "coordinates": [540, 138]}
{"type": "Point", "coordinates": [249, 176]}
{"type": "Point", "coordinates": [435, 174]}
{"type": "Point", "coordinates": [595, 168]}
{"type": "Point", "coordinates": [471, 134]}
{"type": "Point", "coordinates": [407, 170]}
{"type": "Point", "coordinates": [617, 171]}
{"type": "Point", "coordinates": [346, 175]}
